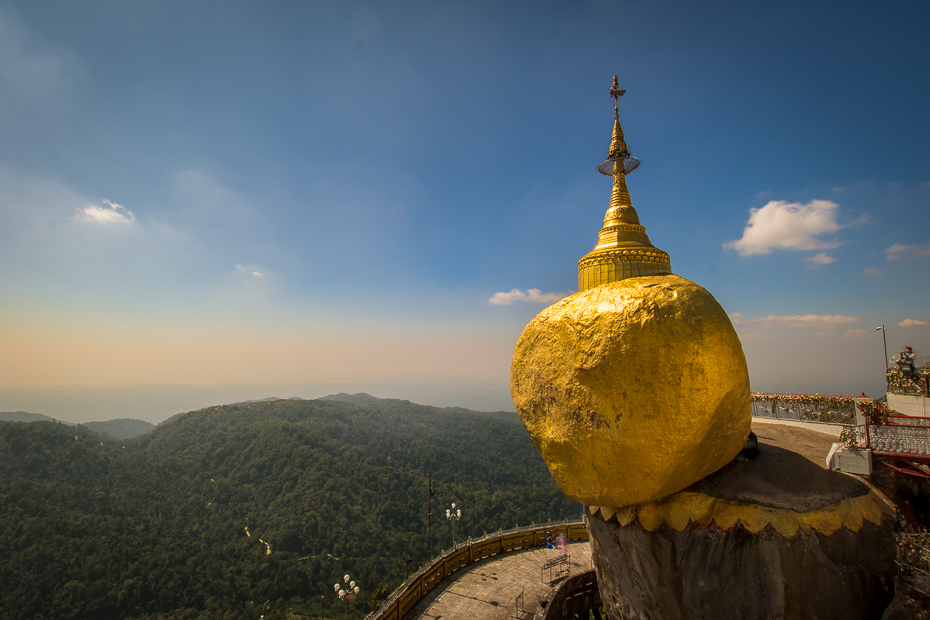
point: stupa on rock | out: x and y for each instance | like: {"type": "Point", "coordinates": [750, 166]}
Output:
{"type": "Point", "coordinates": [636, 393]}
{"type": "Point", "coordinates": [636, 386]}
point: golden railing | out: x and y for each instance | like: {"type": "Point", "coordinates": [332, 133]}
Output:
{"type": "Point", "coordinates": [421, 582]}
{"type": "Point", "coordinates": [816, 408]}
{"type": "Point", "coordinates": [901, 381]}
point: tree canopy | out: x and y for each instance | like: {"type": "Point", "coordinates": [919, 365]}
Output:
{"type": "Point", "coordinates": [217, 511]}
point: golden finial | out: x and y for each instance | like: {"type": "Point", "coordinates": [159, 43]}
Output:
{"type": "Point", "coordinates": [623, 249]}
{"type": "Point", "coordinates": [618, 156]}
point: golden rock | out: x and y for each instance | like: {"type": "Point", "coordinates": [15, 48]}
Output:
{"type": "Point", "coordinates": [632, 390]}
{"type": "Point", "coordinates": [636, 386]}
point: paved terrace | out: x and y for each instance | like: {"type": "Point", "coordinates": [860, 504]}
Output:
{"type": "Point", "coordinates": [487, 589]}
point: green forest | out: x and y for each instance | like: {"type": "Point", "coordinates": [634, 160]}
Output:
{"type": "Point", "coordinates": [215, 512]}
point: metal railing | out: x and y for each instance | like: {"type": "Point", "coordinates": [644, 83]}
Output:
{"type": "Point", "coordinates": [420, 583]}
{"type": "Point", "coordinates": [811, 408]}
{"type": "Point", "coordinates": [914, 560]}
{"type": "Point", "coordinates": [901, 436]}
{"type": "Point", "coordinates": [900, 439]}
{"type": "Point", "coordinates": [876, 427]}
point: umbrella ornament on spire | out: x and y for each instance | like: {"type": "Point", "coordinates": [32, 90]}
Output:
{"type": "Point", "coordinates": [618, 159]}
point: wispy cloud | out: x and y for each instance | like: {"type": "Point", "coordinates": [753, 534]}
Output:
{"type": "Point", "coordinates": [819, 259]}
{"type": "Point", "coordinates": [253, 271]}
{"type": "Point", "coordinates": [797, 320]}
{"type": "Point", "coordinates": [855, 333]}
{"type": "Point", "coordinates": [899, 251]}
{"type": "Point", "coordinates": [911, 323]}
{"type": "Point", "coordinates": [29, 70]}
{"type": "Point", "coordinates": [873, 272]}
{"type": "Point", "coordinates": [533, 295]}
{"type": "Point", "coordinates": [109, 215]}
{"type": "Point", "coordinates": [781, 225]}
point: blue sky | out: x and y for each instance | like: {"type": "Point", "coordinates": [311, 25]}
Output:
{"type": "Point", "coordinates": [297, 193]}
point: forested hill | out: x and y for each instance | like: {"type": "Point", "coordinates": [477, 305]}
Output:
{"type": "Point", "coordinates": [121, 428]}
{"type": "Point", "coordinates": [363, 399]}
{"type": "Point", "coordinates": [156, 525]}
{"type": "Point", "coordinates": [23, 416]}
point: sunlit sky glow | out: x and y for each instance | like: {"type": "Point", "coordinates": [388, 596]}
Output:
{"type": "Point", "coordinates": [385, 193]}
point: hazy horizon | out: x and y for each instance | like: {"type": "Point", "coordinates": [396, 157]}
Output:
{"type": "Point", "coordinates": [155, 403]}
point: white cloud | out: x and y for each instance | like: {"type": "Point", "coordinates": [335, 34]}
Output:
{"type": "Point", "coordinates": [783, 225]}
{"type": "Point", "coordinates": [911, 323]}
{"type": "Point", "coordinates": [821, 258]}
{"type": "Point", "coordinates": [251, 270]}
{"type": "Point", "coordinates": [797, 320]}
{"type": "Point", "coordinates": [112, 214]}
{"type": "Point", "coordinates": [533, 294]}
{"type": "Point", "coordinates": [873, 272]}
{"type": "Point", "coordinates": [899, 251]}
{"type": "Point", "coordinates": [855, 333]}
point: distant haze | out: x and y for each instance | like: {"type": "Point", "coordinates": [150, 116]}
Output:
{"type": "Point", "coordinates": [156, 402]}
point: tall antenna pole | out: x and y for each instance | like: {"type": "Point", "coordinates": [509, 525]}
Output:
{"type": "Point", "coordinates": [429, 519]}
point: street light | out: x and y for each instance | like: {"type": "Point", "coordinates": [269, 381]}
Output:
{"type": "Point", "coordinates": [884, 342]}
{"type": "Point", "coordinates": [407, 561]}
{"type": "Point", "coordinates": [346, 594]}
{"type": "Point", "coordinates": [453, 515]}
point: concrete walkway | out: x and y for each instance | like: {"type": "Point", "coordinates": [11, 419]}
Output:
{"type": "Point", "coordinates": [487, 589]}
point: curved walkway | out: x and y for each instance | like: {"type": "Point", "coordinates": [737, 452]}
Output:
{"type": "Point", "coordinates": [487, 589]}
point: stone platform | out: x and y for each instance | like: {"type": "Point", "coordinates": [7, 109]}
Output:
{"type": "Point", "coordinates": [487, 589]}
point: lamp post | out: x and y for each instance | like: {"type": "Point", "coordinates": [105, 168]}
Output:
{"type": "Point", "coordinates": [346, 594]}
{"type": "Point", "coordinates": [884, 342]}
{"type": "Point", "coordinates": [453, 515]}
{"type": "Point", "coordinates": [407, 561]}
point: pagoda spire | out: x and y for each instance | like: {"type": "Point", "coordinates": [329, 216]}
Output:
{"type": "Point", "coordinates": [623, 249]}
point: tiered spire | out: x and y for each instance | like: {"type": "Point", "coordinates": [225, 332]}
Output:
{"type": "Point", "coordinates": [623, 249]}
